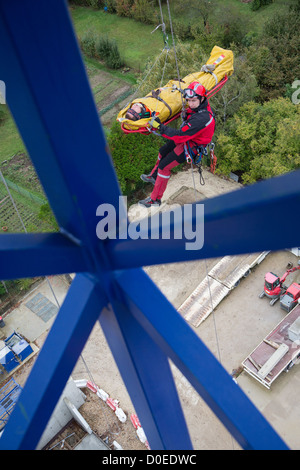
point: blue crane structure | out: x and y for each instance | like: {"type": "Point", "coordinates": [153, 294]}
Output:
{"type": "Point", "coordinates": [49, 96]}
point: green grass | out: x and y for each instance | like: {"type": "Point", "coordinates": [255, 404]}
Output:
{"type": "Point", "coordinates": [137, 42]}
{"type": "Point", "coordinates": [259, 17]}
{"type": "Point", "coordinates": [93, 67]}
{"type": "Point", "coordinates": [256, 19]}
{"type": "Point", "coordinates": [10, 139]}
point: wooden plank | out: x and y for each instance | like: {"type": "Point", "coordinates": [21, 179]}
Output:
{"type": "Point", "coordinates": [272, 343]}
{"type": "Point", "coordinates": [273, 360]}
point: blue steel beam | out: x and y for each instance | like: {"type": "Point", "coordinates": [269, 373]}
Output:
{"type": "Point", "coordinates": [146, 373]}
{"type": "Point", "coordinates": [49, 96]}
{"type": "Point", "coordinates": [54, 364]}
{"type": "Point", "coordinates": [48, 93]}
{"type": "Point", "coordinates": [172, 334]}
{"type": "Point", "coordinates": [248, 220]}
{"type": "Point", "coordinates": [40, 254]}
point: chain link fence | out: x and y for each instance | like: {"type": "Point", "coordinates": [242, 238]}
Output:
{"type": "Point", "coordinates": [19, 213]}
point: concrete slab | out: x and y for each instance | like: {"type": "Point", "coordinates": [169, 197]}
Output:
{"type": "Point", "coordinates": [91, 442]}
{"type": "Point", "coordinates": [32, 324]}
{"type": "Point", "coordinates": [61, 414]}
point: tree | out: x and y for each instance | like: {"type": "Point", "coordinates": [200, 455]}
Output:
{"type": "Point", "coordinates": [196, 8]}
{"type": "Point", "coordinates": [123, 7]}
{"type": "Point", "coordinates": [275, 57]}
{"type": "Point", "coordinates": [225, 27]}
{"type": "Point", "coordinates": [240, 88]}
{"type": "Point", "coordinates": [262, 141]}
{"type": "Point", "coordinates": [132, 154]}
{"type": "Point", "coordinates": [229, 26]}
{"type": "Point", "coordinates": [142, 11]}
{"type": "Point", "coordinates": [163, 68]}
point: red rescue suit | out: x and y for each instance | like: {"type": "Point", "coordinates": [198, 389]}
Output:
{"type": "Point", "coordinates": [197, 129]}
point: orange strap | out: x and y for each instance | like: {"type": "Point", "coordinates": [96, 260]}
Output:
{"type": "Point", "coordinates": [213, 161]}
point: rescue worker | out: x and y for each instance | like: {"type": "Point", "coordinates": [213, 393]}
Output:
{"type": "Point", "coordinates": [197, 129]}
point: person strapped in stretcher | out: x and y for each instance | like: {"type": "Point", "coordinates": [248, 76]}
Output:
{"type": "Point", "coordinates": [166, 102]}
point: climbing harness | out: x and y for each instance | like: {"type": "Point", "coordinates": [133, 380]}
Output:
{"type": "Point", "coordinates": [194, 157]}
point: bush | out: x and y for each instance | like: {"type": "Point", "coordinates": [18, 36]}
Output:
{"type": "Point", "coordinates": [107, 49]}
{"type": "Point", "coordinates": [123, 7]}
{"type": "Point", "coordinates": [274, 57]}
{"type": "Point", "coordinates": [88, 42]}
{"type": "Point", "coordinates": [46, 214]}
{"type": "Point", "coordinates": [256, 4]}
{"type": "Point", "coordinates": [96, 4]}
{"type": "Point", "coordinates": [132, 154]}
{"type": "Point", "coordinates": [103, 48]}
{"type": "Point", "coordinates": [142, 11]}
{"type": "Point", "coordinates": [3, 113]}
{"type": "Point", "coordinates": [183, 30]}
{"type": "Point", "coordinates": [262, 141]}
{"type": "Point", "coordinates": [114, 59]}
{"type": "Point", "coordinates": [190, 58]}
{"type": "Point", "coordinates": [2, 289]}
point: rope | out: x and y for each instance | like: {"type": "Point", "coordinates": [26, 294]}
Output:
{"type": "Point", "coordinates": [136, 91]}
{"type": "Point", "coordinates": [211, 299]}
{"type": "Point", "coordinates": [175, 55]}
{"type": "Point", "coordinates": [166, 48]}
{"type": "Point", "coordinates": [179, 80]}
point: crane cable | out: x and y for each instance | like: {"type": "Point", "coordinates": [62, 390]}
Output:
{"type": "Point", "coordinates": [195, 195]}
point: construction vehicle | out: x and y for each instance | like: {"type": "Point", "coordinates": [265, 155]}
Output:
{"type": "Point", "coordinates": [274, 286]}
{"type": "Point", "coordinates": [278, 352]}
{"type": "Point", "coordinates": [291, 297]}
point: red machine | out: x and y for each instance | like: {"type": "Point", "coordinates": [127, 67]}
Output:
{"type": "Point", "coordinates": [274, 287]}
{"type": "Point", "coordinates": [291, 297]}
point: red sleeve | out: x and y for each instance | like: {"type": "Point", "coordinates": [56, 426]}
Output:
{"type": "Point", "coordinates": [189, 130]}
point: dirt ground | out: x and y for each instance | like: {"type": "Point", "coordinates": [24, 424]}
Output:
{"type": "Point", "coordinates": [231, 332]}
{"type": "Point", "coordinates": [106, 90]}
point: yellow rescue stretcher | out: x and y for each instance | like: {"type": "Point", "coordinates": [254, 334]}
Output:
{"type": "Point", "coordinates": [166, 102]}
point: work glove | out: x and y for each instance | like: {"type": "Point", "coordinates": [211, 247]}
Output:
{"type": "Point", "coordinates": [156, 123]}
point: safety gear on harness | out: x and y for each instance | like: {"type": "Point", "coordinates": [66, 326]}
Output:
{"type": "Point", "coordinates": [194, 156]}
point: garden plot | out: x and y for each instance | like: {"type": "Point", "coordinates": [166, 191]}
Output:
{"type": "Point", "coordinates": [111, 94]}
{"type": "Point", "coordinates": [11, 212]}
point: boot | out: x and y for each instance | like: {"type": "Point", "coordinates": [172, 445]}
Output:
{"type": "Point", "coordinates": [148, 179]}
{"type": "Point", "coordinates": [148, 202]}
